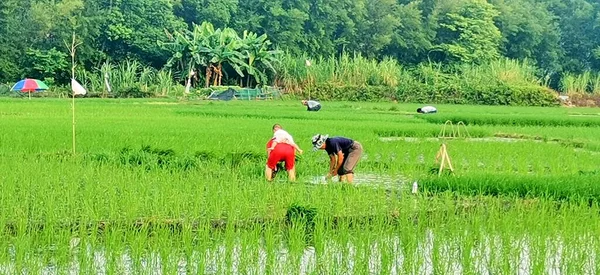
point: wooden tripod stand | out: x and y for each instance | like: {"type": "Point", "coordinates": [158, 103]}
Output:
{"type": "Point", "coordinates": [443, 153]}
{"type": "Point", "coordinates": [444, 135]}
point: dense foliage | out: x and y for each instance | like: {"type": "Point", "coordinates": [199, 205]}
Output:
{"type": "Point", "coordinates": [557, 37]}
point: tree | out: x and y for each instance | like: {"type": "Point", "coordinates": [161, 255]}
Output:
{"type": "Point", "coordinates": [132, 28]}
{"type": "Point", "coordinates": [225, 48]}
{"type": "Point", "coordinates": [577, 20]}
{"type": "Point", "coordinates": [10, 43]}
{"type": "Point", "coordinates": [412, 37]}
{"type": "Point", "coordinates": [283, 21]}
{"type": "Point", "coordinates": [529, 31]}
{"type": "Point", "coordinates": [378, 26]}
{"type": "Point", "coordinates": [218, 12]}
{"type": "Point", "coordinates": [467, 33]}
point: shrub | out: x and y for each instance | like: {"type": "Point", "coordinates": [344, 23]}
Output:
{"type": "Point", "coordinates": [350, 93]}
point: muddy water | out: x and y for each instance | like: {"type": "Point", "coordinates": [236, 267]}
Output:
{"type": "Point", "coordinates": [375, 180]}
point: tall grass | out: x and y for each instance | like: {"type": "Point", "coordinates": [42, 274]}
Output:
{"type": "Point", "coordinates": [354, 77]}
{"type": "Point", "coordinates": [129, 76]}
{"type": "Point", "coordinates": [346, 69]}
{"type": "Point", "coordinates": [585, 83]}
{"type": "Point", "coordinates": [356, 70]}
{"type": "Point", "coordinates": [506, 71]}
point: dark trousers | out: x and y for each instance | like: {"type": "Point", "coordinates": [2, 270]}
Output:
{"type": "Point", "coordinates": [314, 109]}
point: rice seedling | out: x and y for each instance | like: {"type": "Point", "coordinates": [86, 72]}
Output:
{"type": "Point", "coordinates": [177, 187]}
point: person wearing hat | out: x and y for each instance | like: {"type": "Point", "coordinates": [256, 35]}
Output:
{"type": "Point", "coordinates": [311, 105]}
{"type": "Point", "coordinates": [343, 153]}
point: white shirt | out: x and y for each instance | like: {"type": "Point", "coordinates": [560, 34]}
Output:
{"type": "Point", "coordinates": [428, 109]}
{"type": "Point", "coordinates": [281, 135]}
{"type": "Point", "coordinates": [312, 103]}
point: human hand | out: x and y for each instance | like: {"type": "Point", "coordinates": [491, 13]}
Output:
{"type": "Point", "coordinates": [331, 175]}
{"type": "Point", "coordinates": [300, 151]}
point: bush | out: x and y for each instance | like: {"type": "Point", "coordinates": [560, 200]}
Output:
{"type": "Point", "coordinates": [452, 92]}
{"type": "Point", "coordinates": [133, 92]}
{"type": "Point", "coordinates": [448, 93]}
{"type": "Point", "coordinates": [350, 93]}
{"type": "Point", "coordinates": [4, 90]}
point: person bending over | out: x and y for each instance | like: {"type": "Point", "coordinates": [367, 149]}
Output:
{"type": "Point", "coordinates": [311, 105]}
{"type": "Point", "coordinates": [344, 154]}
{"type": "Point", "coordinates": [281, 152]}
{"type": "Point", "coordinates": [282, 136]}
{"type": "Point", "coordinates": [427, 110]}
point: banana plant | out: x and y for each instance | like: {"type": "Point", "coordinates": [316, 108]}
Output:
{"type": "Point", "coordinates": [259, 57]}
{"type": "Point", "coordinates": [227, 49]}
{"type": "Point", "coordinates": [211, 48]}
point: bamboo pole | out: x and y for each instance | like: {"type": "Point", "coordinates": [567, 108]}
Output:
{"type": "Point", "coordinates": [72, 50]}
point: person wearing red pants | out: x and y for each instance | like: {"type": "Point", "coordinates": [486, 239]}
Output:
{"type": "Point", "coordinates": [282, 152]}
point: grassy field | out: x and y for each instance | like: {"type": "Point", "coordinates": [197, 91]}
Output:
{"type": "Point", "coordinates": [169, 187]}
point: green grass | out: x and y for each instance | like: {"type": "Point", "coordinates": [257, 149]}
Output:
{"type": "Point", "coordinates": [182, 181]}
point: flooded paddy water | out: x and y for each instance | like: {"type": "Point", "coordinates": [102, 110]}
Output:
{"type": "Point", "coordinates": [430, 252]}
{"type": "Point", "coordinates": [372, 180]}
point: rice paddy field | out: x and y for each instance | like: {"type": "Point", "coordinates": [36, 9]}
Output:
{"type": "Point", "coordinates": [177, 187]}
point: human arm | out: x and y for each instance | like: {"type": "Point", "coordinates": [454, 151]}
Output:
{"type": "Point", "coordinates": [273, 144]}
{"type": "Point", "coordinates": [340, 160]}
{"type": "Point", "coordinates": [332, 167]}
{"type": "Point", "coordinates": [335, 162]}
{"type": "Point", "coordinates": [297, 148]}
{"type": "Point", "coordinates": [268, 147]}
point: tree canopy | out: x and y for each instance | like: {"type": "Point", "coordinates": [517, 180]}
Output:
{"type": "Point", "coordinates": [557, 36]}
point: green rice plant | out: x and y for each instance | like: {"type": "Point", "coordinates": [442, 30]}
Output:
{"type": "Point", "coordinates": [514, 120]}
{"type": "Point", "coordinates": [165, 186]}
